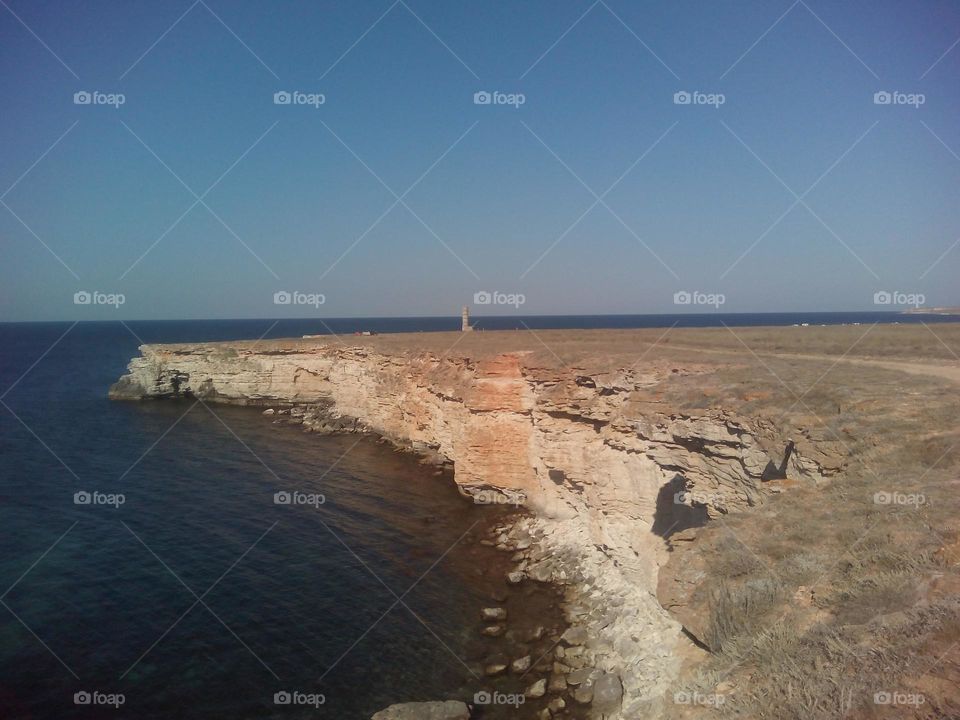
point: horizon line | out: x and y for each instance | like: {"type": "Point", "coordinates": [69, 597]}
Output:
{"type": "Point", "coordinates": [907, 311]}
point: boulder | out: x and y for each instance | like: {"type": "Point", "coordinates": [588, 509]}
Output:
{"type": "Point", "coordinates": [521, 665]}
{"type": "Point", "coordinates": [541, 572]}
{"type": "Point", "coordinates": [448, 710]}
{"type": "Point", "coordinates": [584, 693]}
{"type": "Point", "coordinates": [607, 693]}
{"type": "Point", "coordinates": [537, 690]}
{"type": "Point", "coordinates": [558, 683]}
{"type": "Point", "coordinates": [682, 589]}
{"type": "Point", "coordinates": [493, 613]}
{"type": "Point", "coordinates": [578, 677]}
{"type": "Point", "coordinates": [574, 636]}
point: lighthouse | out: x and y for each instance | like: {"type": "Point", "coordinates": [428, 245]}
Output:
{"type": "Point", "coordinates": [465, 319]}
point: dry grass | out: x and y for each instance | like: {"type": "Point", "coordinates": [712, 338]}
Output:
{"type": "Point", "coordinates": [740, 610]}
{"type": "Point", "coordinates": [823, 597]}
{"type": "Point", "coordinates": [601, 350]}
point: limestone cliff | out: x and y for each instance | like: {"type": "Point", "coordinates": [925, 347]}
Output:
{"type": "Point", "coordinates": [609, 470]}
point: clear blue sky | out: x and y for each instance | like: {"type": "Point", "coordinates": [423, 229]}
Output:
{"type": "Point", "coordinates": [498, 211]}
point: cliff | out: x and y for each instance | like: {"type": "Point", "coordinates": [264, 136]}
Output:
{"type": "Point", "coordinates": [611, 466]}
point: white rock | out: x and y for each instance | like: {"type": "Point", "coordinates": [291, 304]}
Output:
{"type": "Point", "coordinates": [537, 690]}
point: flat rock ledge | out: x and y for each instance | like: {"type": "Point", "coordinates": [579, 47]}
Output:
{"type": "Point", "coordinates": [437, 710]}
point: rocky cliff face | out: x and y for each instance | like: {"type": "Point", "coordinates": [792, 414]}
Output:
{"type": "Point", "coordinates": [609, 471]}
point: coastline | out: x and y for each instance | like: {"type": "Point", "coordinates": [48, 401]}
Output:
{"type": "Point", "coordinates": [616, 441]}
{"type": "Point", "coordinates": [522, 634]}
{"type": "Point", "coordinates": [542, 652]}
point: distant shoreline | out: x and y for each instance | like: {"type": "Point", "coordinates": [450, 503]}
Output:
{"type": "Point", "coordinates": [297, 326]}
{"type": "Point", "coordinates": [933, 311]}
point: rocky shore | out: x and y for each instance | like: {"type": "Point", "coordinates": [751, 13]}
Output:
{"type": "Point", "coordinates": [560, 667]}
{"type": "Point", "coordinates": [543, 637]}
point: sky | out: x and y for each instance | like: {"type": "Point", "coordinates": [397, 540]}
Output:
{"type": "Point", "coordinates": [735, 151]}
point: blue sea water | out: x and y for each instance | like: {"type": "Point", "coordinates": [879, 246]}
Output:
{"type": "Point", "coordinates": [103, 598]}
{"type": "Point", "coordinates": [199, 597]}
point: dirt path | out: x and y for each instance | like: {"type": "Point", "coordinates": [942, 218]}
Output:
{"type": "Point", "coordinates": [947, 371]}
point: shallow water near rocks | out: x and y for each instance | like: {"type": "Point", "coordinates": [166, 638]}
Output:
{"type": "Point", "coordinates": [199, 596]}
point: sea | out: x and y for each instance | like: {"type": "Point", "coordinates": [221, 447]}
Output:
{"type": "Point", "coordinates": [148, 571]}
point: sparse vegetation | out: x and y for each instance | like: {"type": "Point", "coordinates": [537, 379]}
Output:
{"type": "Point", "coordinates": [831, 598]}
{"type": "Point", "coordinates": [739, 610]}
